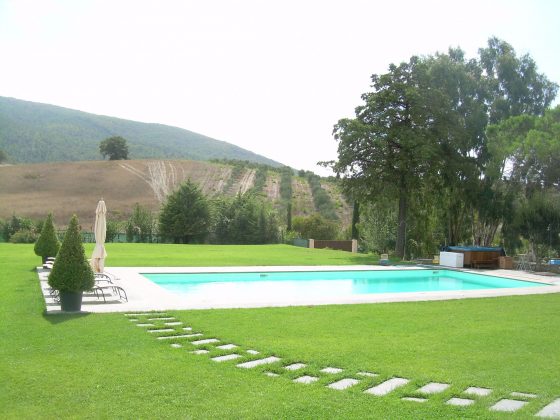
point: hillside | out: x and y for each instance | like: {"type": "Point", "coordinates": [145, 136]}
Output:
{"type": "Point", "coordinates": [33, 190]}
{"type": "Point", "coordinates": [32, 132]}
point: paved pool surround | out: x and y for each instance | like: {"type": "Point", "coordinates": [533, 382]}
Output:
{"type": "Point", "coordinates": [144, 295]}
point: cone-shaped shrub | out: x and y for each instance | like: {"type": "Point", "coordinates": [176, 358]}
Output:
{"type": "Point", "coordinates": [47, 245]}
{"type": "Point", "coordinates": [71, 271]}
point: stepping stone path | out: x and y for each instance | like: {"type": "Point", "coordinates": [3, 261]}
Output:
{"type": "Point", "coordinates": [460, 401]}
{"type": "Point", "coordinates": [343, 384]}
{"type": "Point", "coordinates": [508, 405]}
{"type": "Point", "coordinates": [331, 370]}
{"type": "Point", "coordinates": [306, 379]}
{"type": "Point", "coordinates": [226, 357]}
{"type": "Point", "coordinates": [258, 362]}
{"type": "Point", "coordinates": [295, 366]}
{"type": "Point", "coordinates": [227, 346]}
{"type": "Point", "coordinates": [433, 388]}
{"type": "Point", "coordinates": [385, 387]}
{"type": "Point", "coordinates": [551, 410]}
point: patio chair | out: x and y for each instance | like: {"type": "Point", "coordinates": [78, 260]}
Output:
{"type": "Point", "coordinates": [384, 259]}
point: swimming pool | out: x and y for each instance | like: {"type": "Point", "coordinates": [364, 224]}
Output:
{"type": "Point", "coordinates": [325, 284]}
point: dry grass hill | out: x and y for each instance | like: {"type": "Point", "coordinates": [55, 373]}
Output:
{"type": "Point", "coordinates": [33, 190]}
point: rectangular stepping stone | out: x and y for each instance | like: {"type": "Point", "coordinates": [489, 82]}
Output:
{"type": "Point", "coordinates": [258, 362]}
{"type": "Point", "coordinates": [252, 352]}
{"type": "Point", "coordinates": [331, 370]}
{"type": "Point", "coordinates": [133, 319]}
{"type": "Point", "coordinates": [462, 402]}
{"type": "Point", "coordinates": [172, 324]}
{"type": "Point", "coordinates": [552, 410]}
{"type": "Point", "coordinates": [146, 314]}
{"type": "Point", "coordinates": [475, 390]}
{"type": "Point", "coordinates": [508, 405]}
{"type": "Point", "coordinates": [161, 330]}
{"type": "Point", "coordinates": [226, 357]}
{"type": "Point", "coordinates": [193, 335]}
{"type": "Point", "coordinates": [295, 366]}
{"type": "Point", "coordinates": [145, 325]}
{"type": "Point", "coordinates": [523, 395]}
{"type": "Point", "coordinates": [176, 345]}
{"type": "Point", "coordinates": [368, 374]}
{"type": "Point", "coordinates": [343, 384]}
{"type": "Point", "coordinates": [169, 337]}
{"type": "Point", "coordinates": [205, 341]}
{"type": "Point", "coordinates": [415, 399]}
{"type": "Point", "coordinates": [227, 346]}
{"type": "Point", "coordinates": [201, 351]}
{"type": "Point", "coordinates": [187, 329]}
{"type": "Point", "coordinates": [271, 374]}
{"type": "Point", "coordinates": [306, 379]}
{"type": "Point", "coordinates": [165, 318]}
{"type": "Point", "coordinates": [385, 387]}
{"type": "Point", "coordinates": [433, 388]}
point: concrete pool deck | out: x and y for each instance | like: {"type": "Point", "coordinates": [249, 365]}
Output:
{"type": "Point", "coordinates": [144, 295]}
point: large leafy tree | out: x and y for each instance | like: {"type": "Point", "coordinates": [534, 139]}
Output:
{"type": "Point", "coordinates": [387, 149]}
{"type": "Point", "coordinates": [114, 147]}
{"type": "Point", "coordinates": [185, 216]}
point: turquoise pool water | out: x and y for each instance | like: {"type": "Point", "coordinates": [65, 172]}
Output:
{"type": "Point", "coordinates": [319, 284]}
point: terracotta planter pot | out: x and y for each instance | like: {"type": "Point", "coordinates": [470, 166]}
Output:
{"type": "Point", "coordinates": [71, 301]}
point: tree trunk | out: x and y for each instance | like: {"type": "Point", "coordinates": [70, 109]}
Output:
{"type": "Point", "coordinates": [401, 228]}
{"type": "Point", "coordinates": [355, 219]}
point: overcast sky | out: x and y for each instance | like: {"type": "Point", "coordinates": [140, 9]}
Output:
{"type": "Point", "coordinates": [269, 76]}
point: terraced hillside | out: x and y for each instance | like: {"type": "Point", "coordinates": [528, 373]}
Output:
{"type": "Point", "coordinates": [33, 190]}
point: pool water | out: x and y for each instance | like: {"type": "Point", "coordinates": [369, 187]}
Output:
{"type": "Point", "coordinates": [320, 284]}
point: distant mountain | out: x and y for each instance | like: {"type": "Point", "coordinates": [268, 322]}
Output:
{"type": "Point", "coordinates": [32, 132]}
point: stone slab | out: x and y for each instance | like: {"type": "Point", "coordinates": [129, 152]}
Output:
{"type": "Point", "coordinates": [306, 379]}
{"type": "Point", "coordinates": [170, 337]}
{"type": "Point", "coordinates": [146, 314]}
{"type": "Point", "coordinates": [133, 319]}
{"type": "Point", "coordinates": [343, 384]}
{"type": "Point", "coordinates": [479, 392]}
{"type": "Point", "coordinates": [176, 345]}
{"type": "Point", "coordinates": [462, 402]}
{"type": "Point", "coordinates": [271, 374]}
{"type": "Point", "coordinates": [172, 324]}
{"type": "Point", "coordinates": [368, 374]}
{"type": "Point", "coordinates": [187, 329]}
{"type": "Point", "coordinates": [295, 366]}
{"type": "Point", "coordinates": [415, 399]}
{"type": "Point", "coordinates": [145, 325]}
{"type": "Point", "coordinates": [385, 387]}
{"type": "Point", "coordinates": [252, 352]}
{"type": "Point", "coordinates": [161, 330]}
{"type": "Point", "coordinates": [552, 410]}
{"type": "Point", "coordinates": [193, 335]}
{"type": "Point", "coordinates": [205, 341]}
{"type": "Point", "coordinates": [332, 370]}
{"type": "Point", "coordinates": [523, 395]}
{"type": "Point", "coordinates": [227, 346]}
{"type": "Point", "coordinates": [165, 318]}
{"type": "Point", "coordinates": [433, 388]}
{"type": "Point", "coordinates": [201, 351]}
{"type": "Point", "coordinates": [258, 362]}
{"type": "Point", "coordinates": [508, 405]}
{"type": "Point", "coordinates": [226, 357]}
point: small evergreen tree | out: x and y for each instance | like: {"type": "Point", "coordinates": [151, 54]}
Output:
{"type": "Point", "coordinates": [47, 245]}
{"type": "Point", "coordinates": [71, 271]}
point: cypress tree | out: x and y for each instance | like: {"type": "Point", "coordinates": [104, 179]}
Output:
{"type": "Point", "coordinates": [47, 245]}
{"type": "Point", "coordinates": [71, 271]}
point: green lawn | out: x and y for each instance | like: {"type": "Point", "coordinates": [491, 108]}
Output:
{"type": "Point", "coordinates": [95, 365]}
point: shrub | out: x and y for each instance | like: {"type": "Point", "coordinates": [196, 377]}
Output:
{"type": "Point", "coordinates": [71, 271]}
{"type": "Point", "coordinates": [47, 245]}
{"type": "Point", "coordinates": [23, 236]}
{"type": "Point", "coordinates": [315, 227]}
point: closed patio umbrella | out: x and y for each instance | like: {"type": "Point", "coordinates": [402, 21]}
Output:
{"type": "Point", "coordinates": [100, 230]}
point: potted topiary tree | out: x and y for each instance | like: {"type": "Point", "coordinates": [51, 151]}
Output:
{"type": "Point", "coordinates": [47, 245]}
{"type": "Point", "coordinates": [71, 273]}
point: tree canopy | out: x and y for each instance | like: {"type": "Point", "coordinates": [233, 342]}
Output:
{"type": "Point", "coordinates": [115, 148]}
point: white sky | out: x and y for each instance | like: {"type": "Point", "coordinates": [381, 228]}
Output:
{"type": "Point", "coordinates": [269, 76]}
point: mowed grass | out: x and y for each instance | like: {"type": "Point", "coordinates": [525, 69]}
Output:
{"type": "Point", "coordinates": [92, 366]}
